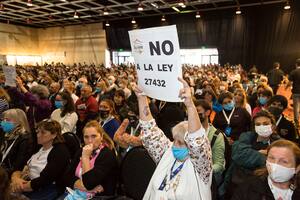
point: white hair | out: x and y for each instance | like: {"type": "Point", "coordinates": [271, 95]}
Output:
{"type": "Point", "coordinates": [179, 130]}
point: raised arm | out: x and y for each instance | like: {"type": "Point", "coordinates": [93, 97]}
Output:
{"type": "Point", "coordinates": [196, 138]}
{"type": "Point", "coordinates": [153, 139]}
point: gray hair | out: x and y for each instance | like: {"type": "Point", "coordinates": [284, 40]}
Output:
{"type": "Point", "coordinates": [41, 90]}
{"type": "Point", "coordinates": [19, 117]}
{"type": "Point", "coordinates": [179, 130]}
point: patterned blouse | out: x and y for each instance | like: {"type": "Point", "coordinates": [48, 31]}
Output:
{"type": "Point", "coordinates": [156, 143]}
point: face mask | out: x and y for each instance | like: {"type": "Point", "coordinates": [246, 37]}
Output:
{"type": "Point", "coordinates": [104, 114]}
{"type": "Point", "coordinates": [7, 126]}
{"type": "Point", "coordinates": [279, 173]}
{"type": "Point", "coordinates": [262, 100]}
{"type": "Point", "coordinates": [80, 85]}
{"type": "Point", "coordinates": [58, 104]}
{"type": "Point", "coordinates": [97, 90]}
{"type": "Point", "coordinates": [264, 130]}
{"type": "Point", "coordinates": [229, 106]}
{"type": "Point", "coordinates": [202, 117]}
{"type": "Point", "coordinates": [180, 153]}
{"type": "Point", "coordinates": [275, 111]}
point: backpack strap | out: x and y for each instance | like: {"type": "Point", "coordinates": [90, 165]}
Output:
{"type": "Point", "coordinates": [214, 138]}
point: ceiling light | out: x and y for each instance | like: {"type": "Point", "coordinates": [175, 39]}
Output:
{"type": "Point", "coordinates": [63, 0]}
{"type": "Point", "coordinates": [163, 19]}
{"type": "Point", "coordinates": [287, 6]}
{"type": "Point", "coordinates": [181, 3]}
{"type": "Point", "coordinates": [105, 11]}
{"type": "Point", "coordinates": [76, 15]}
{"type": "Point", "coordinates": [133, 21]}
{"type": "Point", "coordinates": [29, 3]}
{"type": "Point", "coordinates": [198, 15]}
{"type": "Point", "coordinates": [107, 23]}
{"type": "Point", "coordinates": [140, 7]}
{"type": "Point", "coordinates": [176, 9]}
{"type": "Point", "coordinates": [238, 11]}
{"type": "Point", "coordinates": [183, 6]}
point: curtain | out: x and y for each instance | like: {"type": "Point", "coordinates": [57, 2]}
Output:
{"type": "Point", "coordinates": [261, 35]}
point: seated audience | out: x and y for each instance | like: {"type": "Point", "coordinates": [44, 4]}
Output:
{"type": "Point", "coordinates": [41, 178]}
{"type": "Point", "coordinates": [16, 147]}
{"type": "Point", "coordinates": [231, 120]}
{"type": "Point", "coordinates": [94, 169]}
{"type": "Point", "coordinates": [108, 117]}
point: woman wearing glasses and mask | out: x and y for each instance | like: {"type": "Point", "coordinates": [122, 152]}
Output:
{"type": "Point", "coordinates": [41, 178]}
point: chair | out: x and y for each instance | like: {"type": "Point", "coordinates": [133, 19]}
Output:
{"type": "Point", "coordinates": [137, 169]}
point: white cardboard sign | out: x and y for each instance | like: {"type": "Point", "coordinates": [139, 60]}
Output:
{"type": "Point", "coordinates": [157, 57]}
{"type": "Point", "coordinates": [10, 75]}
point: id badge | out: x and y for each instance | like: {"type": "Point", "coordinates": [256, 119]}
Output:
{"type": "Point", "coordinates": [228, 131]}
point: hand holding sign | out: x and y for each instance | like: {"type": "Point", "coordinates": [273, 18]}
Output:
{"type": "Point", "coordinates": [157, 57]}
{"type": "Point", "coordinates": [185, 93]}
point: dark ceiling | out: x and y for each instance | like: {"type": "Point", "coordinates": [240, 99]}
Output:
{"type": "Point", "coordinates": [49, 13]}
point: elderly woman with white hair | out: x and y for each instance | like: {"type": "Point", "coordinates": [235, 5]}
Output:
{"type": "Point", "coordinates": [184, 167]}
{"type": "Point", "coordinates": [16, 146]}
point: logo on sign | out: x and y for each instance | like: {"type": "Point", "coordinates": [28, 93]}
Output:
{"type": "Point", "coordinates": [138, 46]}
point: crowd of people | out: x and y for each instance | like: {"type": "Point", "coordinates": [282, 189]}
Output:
{"type": "Point", "coordinates": [66, 129]}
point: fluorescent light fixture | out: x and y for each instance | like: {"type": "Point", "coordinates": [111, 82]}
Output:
{"type": "Point", "coordinates": [107, 23]}
{"type": "Point", "coordinates": [176, 9]}
{"type": "Point", "coordinates": [163, 19]}
{"type": "Point", "coordinates": [197, 15]}
{"type": "Point", "coordinates": [154, 5]}
{"type": "Point", "coordinates": [183, 6]}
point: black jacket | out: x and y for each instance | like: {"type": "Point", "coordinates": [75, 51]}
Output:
{"type": "Point", "coordinates": [18, 155]}
{"type": "Point", "coordinates": [57, 162]}
{"type": "Point", "coordinates": [104, 173]}
{"type": "Point", "coordinates": [286, 129]}
{"type": "Point", "coordinates": [258, 189]}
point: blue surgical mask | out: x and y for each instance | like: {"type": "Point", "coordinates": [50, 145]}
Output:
{"type": "Point", "coordinates": [58, 104]}
{"type": "Point", "coordinates": [7, 126]}
{"type": "Point", "coordinates": [97, 90]}
{"type": "Point", "coordinates": [180, 153]}
{"type": "Point", "coordinates": [262, 100]}
{"type": "Point", "coordinates": [229, 106]}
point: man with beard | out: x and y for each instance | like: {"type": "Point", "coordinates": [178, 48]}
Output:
{"type": "Point", "coordinates": [285, 128]}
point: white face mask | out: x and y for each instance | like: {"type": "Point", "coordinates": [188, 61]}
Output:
{"type": "Point", "coordinates": [279, 173]}
{"type": "Point", "coordinates": [264, 130]}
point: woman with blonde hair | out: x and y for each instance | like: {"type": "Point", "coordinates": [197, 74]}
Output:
{"type": "Point", "coordinates": [16, 147]}
{"type": "Point", "coordinates": [93, 170]}
{"type": "Point", "coordinates": [240, 100]}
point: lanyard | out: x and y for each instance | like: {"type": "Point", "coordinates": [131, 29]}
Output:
{"type": "Point", "coordinates": [228, 118]}
{"type": "Point", "coordinates": [8, 150]}
{"type": "Point", "coordinates": [107, 120]}
{"type": "Point", "coordinates": [278, 121]}
{"type": "Point", "coordinates": [172, 175]}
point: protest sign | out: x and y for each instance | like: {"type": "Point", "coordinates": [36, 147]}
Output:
{"type": "Point", "coordinates": [10, 75]}
{"type": "Point", "coordinates": [157, 58]}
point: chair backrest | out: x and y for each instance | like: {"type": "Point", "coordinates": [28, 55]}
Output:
{"type": "Point", "coordinates": [72, 142]}
{"type": "Point", "coordinates": [137, 169]}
